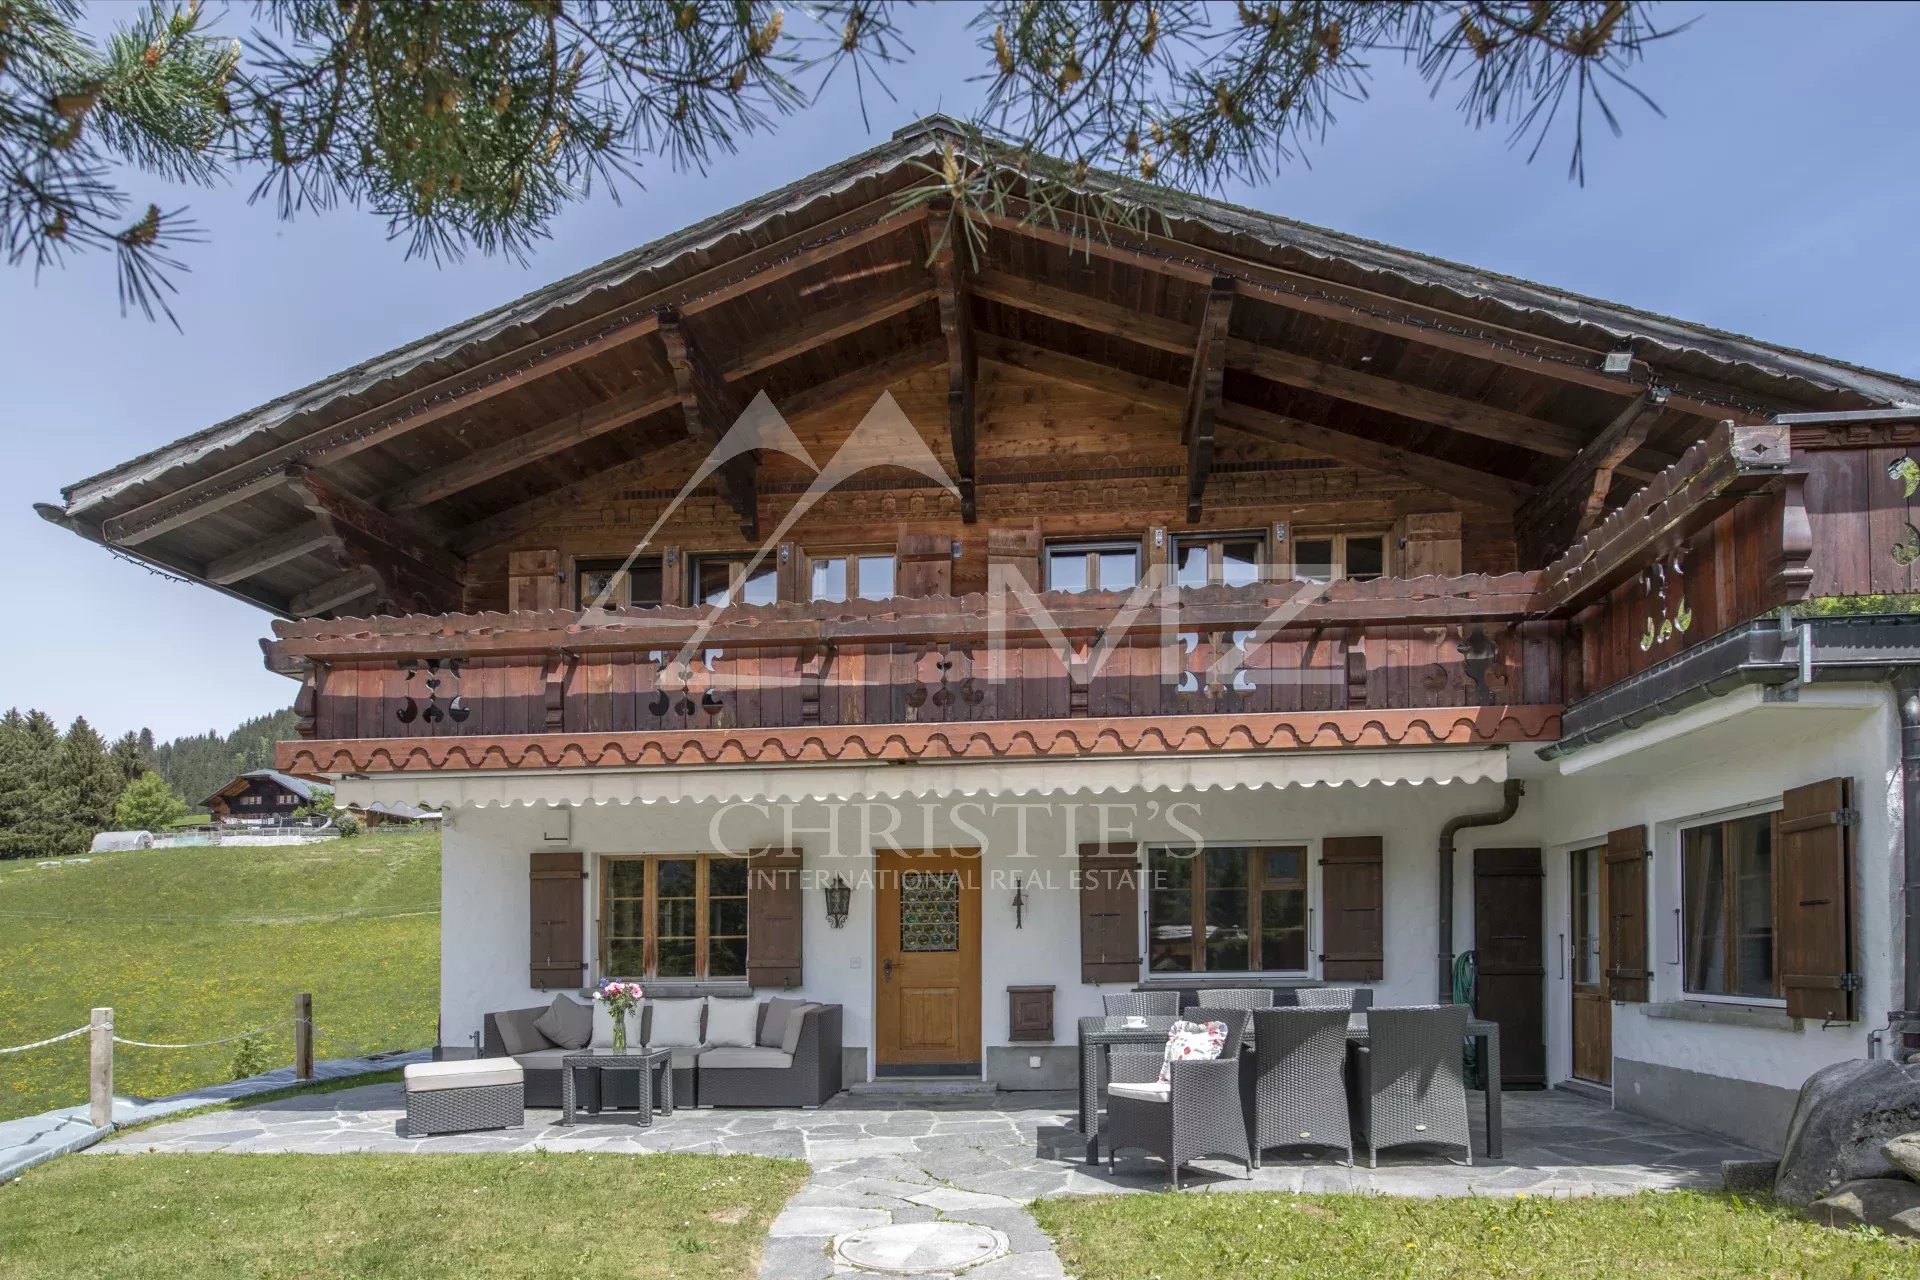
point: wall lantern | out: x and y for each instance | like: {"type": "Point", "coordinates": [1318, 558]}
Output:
{"type": "Point", "coordinates": [839, 898]}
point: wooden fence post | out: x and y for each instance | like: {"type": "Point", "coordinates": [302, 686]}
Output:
{"type": "Point", "coordinates": [100, 1074]}
{"type": "Point", "coordinates": [303, 1036]}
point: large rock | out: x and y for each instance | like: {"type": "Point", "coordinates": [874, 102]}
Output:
{"type": "Point", "coordinates": [1903, 1153]}
{"type": "Point", "coordinates": [1891, 1204]}
{"type": "Point", "coordinates": [1846, 1113]}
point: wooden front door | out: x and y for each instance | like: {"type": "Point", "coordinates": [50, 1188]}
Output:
{"type": "Point", "coordinates": [1510, 945]}
{"type": "Point", "coordinates": [1587, 968]}
{"type": "Point", "coordinates": [927, 957]}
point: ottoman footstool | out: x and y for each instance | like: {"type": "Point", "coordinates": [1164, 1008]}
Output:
{"type": "Point", "coordinates": [458, 1097]}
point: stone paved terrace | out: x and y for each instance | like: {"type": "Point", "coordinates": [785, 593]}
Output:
{"type": "Point", "coordinates": [880, 1160]}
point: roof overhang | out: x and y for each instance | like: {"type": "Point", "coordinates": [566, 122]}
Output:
{"type": "Point", "coordinates": [939, 779]}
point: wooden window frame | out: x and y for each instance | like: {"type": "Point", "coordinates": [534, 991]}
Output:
{"type": "Point", "coordinates": [736, 574]}
{"type": "Point", "coordinates": [1216, 563]}
{"type": "Point", "coordinates": [623, 593]}
{"type": "Point", "coordinates": [1256, 851]}
{"type": "Point", "coordinates": [1094, 549]}
{"type": "Point", "coordinates": [1730, 949]}
{"type": "Point", "coordinates": [852, 555]}
{"type": "Point", "coordinates": [1594, 858]}
{"type": "Point", "coordinates": [649, 912]}
{"type": "Point", "coordinates": [1339, 537]}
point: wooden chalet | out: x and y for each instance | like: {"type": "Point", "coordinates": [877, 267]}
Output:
{"type": "Point", "coordinates": [1581, 567]}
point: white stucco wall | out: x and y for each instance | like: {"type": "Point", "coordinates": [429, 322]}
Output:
{"type": "Point", "coordinates": [1728, 755]}
{"type": "Point", "coordinates": [483, 954]}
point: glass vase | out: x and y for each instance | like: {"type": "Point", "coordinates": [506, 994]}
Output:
{"type": "Point", "coordinates": [619, 1028]}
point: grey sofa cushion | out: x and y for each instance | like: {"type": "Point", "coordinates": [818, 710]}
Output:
{"type": "Point", "coordinates": [542, 1059]}
{"type": "Point", "coordinates": [567, 1022]}
{"type": "Point", "coordinates": [757, 1057]}
{"type": "Point", "coordinates": [774, 1028]}
{"type": "Point", "coordinates": [731, 1023]}
{"type": "Point", "coordinates": [518, 1034]}
{"type": "Point", "coordinates": [796, 1023]}
{"type": "Point", "coordinates": [676, 1022]}
{"type": "Point", "coordinates": [685, 1054]}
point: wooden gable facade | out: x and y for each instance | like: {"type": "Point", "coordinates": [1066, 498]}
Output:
{"type": "Point", "coordinates": [1466, 451]}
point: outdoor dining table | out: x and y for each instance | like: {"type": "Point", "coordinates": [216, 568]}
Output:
{"type": "Point", "coordinates": [1099, 1035]}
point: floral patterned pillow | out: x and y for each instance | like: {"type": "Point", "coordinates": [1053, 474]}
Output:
{"type": "Point", "coordinates": [1191, 1041]}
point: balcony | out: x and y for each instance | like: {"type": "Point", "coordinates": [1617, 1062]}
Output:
{"type": "Point", "coordinates": [1381, 663]}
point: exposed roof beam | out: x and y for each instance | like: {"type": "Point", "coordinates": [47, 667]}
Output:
{"type": "Point", "coordinates": [950, 277]}
{"type": "Point", "coordinates": [1205, 386]}
{"type": "Point", "coordinates": [126, 531]}
{"type": "Point", "coordinates": [1381, 313]}
{"type": "Point", "coordinates": [361, 580]}
{"type": "Point", "coordinates": [247, 562]}
{"type": "Point", "coordinates": [819, 329]}
{"type": "Point", "coordinates": [462, 390]}
{"type": "Point", "coordinates": [413, 574]}
{"type": "Point", "coordinates": [1479, 487]}
{"type": "Point", "coordinates": [1570, 504]}
{"type": "Point", "coordinates": [1085, 312]}
{"type": "Point", "coordinates": [711, 408]}
{"type": "Point", "coordinates": [505, 524]}
{"type": "Point", "coordinates": [524, 447]}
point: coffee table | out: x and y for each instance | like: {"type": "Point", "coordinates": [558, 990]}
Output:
{"type": "Point", "coordinates": [647, 1063]}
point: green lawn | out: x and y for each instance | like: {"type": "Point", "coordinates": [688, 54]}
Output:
{"type": "Point", "coordinates": [199, 943]}
{"type": "Point", "coordinates": [1652, 1236]}
{"type": "Point", "coordinates": [474, 1216]}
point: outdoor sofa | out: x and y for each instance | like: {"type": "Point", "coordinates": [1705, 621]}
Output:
{"type": "Point", "coordinates": [792, 1058]}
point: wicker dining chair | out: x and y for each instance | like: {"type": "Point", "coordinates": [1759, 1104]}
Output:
{"type": "Point", "coordinates": [1142, 1004]}
{"type": "Point", "coordinates": [1296, 1094]}
{"type": "Point", "coordinates": [1235, 998]}
{"type": "Point", "coordinates": [1408, 1084]}
{"type": "Point", "coordinates": [1351, 999]}
{"type": "Point", "coordinates": [1196, 1113]}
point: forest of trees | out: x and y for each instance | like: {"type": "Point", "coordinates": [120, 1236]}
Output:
{"type": "Point", "coordinates": [57, 789]}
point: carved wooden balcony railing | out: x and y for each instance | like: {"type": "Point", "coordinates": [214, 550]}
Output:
{"type": "Point", "coordinates": [1209, 654]}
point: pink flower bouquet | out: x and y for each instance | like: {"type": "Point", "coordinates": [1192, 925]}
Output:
{"type": "Point", "coordinates": [621, 998]}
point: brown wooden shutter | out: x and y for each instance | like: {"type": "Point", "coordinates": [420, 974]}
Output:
{"type": "Point", "coordinates": [1429, 544]}
{"type": "Point", "coordinates": [1509, 946]}
{"type": "Point", "coordinates": [774, 918]}
{"type": "Point", "coordinates": [556, 912]}
{"type": "Point", "coordinates": [1110, 912]}
{"type": "Point", "coordinates": [1628, 972]}
{"type": "Point", "coordinates": [1019, 550]}
{"type": "Point", "coordinates": [1352, 897]}
{"type": "Point", "coordinates": [923, 565]}
{"type": "Point", "coordinates": [1813, 898]}
{"type": "Point", "coordinates": [533, 580]}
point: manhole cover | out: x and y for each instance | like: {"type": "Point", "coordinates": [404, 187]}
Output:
{"type": "Point", "coordinates": [919, 1248]}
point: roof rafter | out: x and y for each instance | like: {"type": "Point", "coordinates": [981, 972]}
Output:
{"type": "Point", "coordinates": [304, 538]}
{"type": "Point", "coordinates": [413, 572]}
{"type": "Point", "coordinates": [1571, 503]}
{"type": "Point", "coordinates": [951, 283]}
{"type": "Point", "coordinates": [1205, 386]}
{"type": "Point", "coordinates": [712, 409]}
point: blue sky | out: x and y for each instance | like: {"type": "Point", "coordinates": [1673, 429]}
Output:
{"type": "Point", "coordinates": [1778, 198]}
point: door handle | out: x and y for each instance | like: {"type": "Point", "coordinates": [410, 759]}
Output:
{"type": "Point", "coordinates": [886, 969]}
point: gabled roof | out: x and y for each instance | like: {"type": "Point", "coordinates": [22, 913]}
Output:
{"type": "Point", "coordinates": [301, 787]}
{"type": "Point", "coordinates": [383, 431]}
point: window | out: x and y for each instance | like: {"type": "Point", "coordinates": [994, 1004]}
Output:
{"type": "Point", "coordinates": [1227, 909]}
{"type": "Point", "coordinates": [673, 917]}
{"type": "Point", "coordinates": [719, 580]}
{"type": "Point", "coordinates": [251, 801]}
{"type": "Point", "coordinates": [1726, 875]}
{"type": "Point", "coordinates": [1586, 872]}
{"type": "Point", "coordinates": [1231, 560]}
{"type": "Point", "coordinates": [1324, 557]}
{"type": "Point", "coordinates": [871, 575]}
{"type": "Point", "coordinates": [638, 584]}
{"type": "Point", "coordinates": [1093, 566]}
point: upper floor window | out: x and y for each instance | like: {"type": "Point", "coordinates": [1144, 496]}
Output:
{"type": "Point", "coordinates": [1727, 926]}
{"type": "Point", "coordinates": [868, 577]}
{"type": "Point", "coordinates": [1325, 557]}
{"type": "Point", "coordinates": [673, 917]}
{"type": "Point", "coordinates": [607, 583]}
{"type": "Point", "coordinates": [720, 580]}
{"type": "Point", "coordinates": [1224, 560]}
{"type": "Point", "coordinates": [1093, 566]}
{"type": "Point", "coordinates": [1227, 909]}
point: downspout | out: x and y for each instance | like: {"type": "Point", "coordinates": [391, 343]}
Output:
{"type": "Point", "coordinates": [1514, 790]}
{"type": "Point", "coordinates": [1907, 693]}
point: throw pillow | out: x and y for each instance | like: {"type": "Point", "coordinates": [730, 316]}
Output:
{"type": "Point", "coordinates": [1190, 1042]}
{"type": "Point", "coordinates": [675, 1022]}
{"type": "Point", "coordinates": [774, 1029]}
{"type": "Point", "coordinates": [796, 1023]}
{"type": "Point", "coordinates": [518, 1035]}
{"type": "Point", "coordinates": [567, 1022]}
{"type": "Point", "coordinates": [603, 1026]}
{"type": "Point", "coordinates": [730, 1023]}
